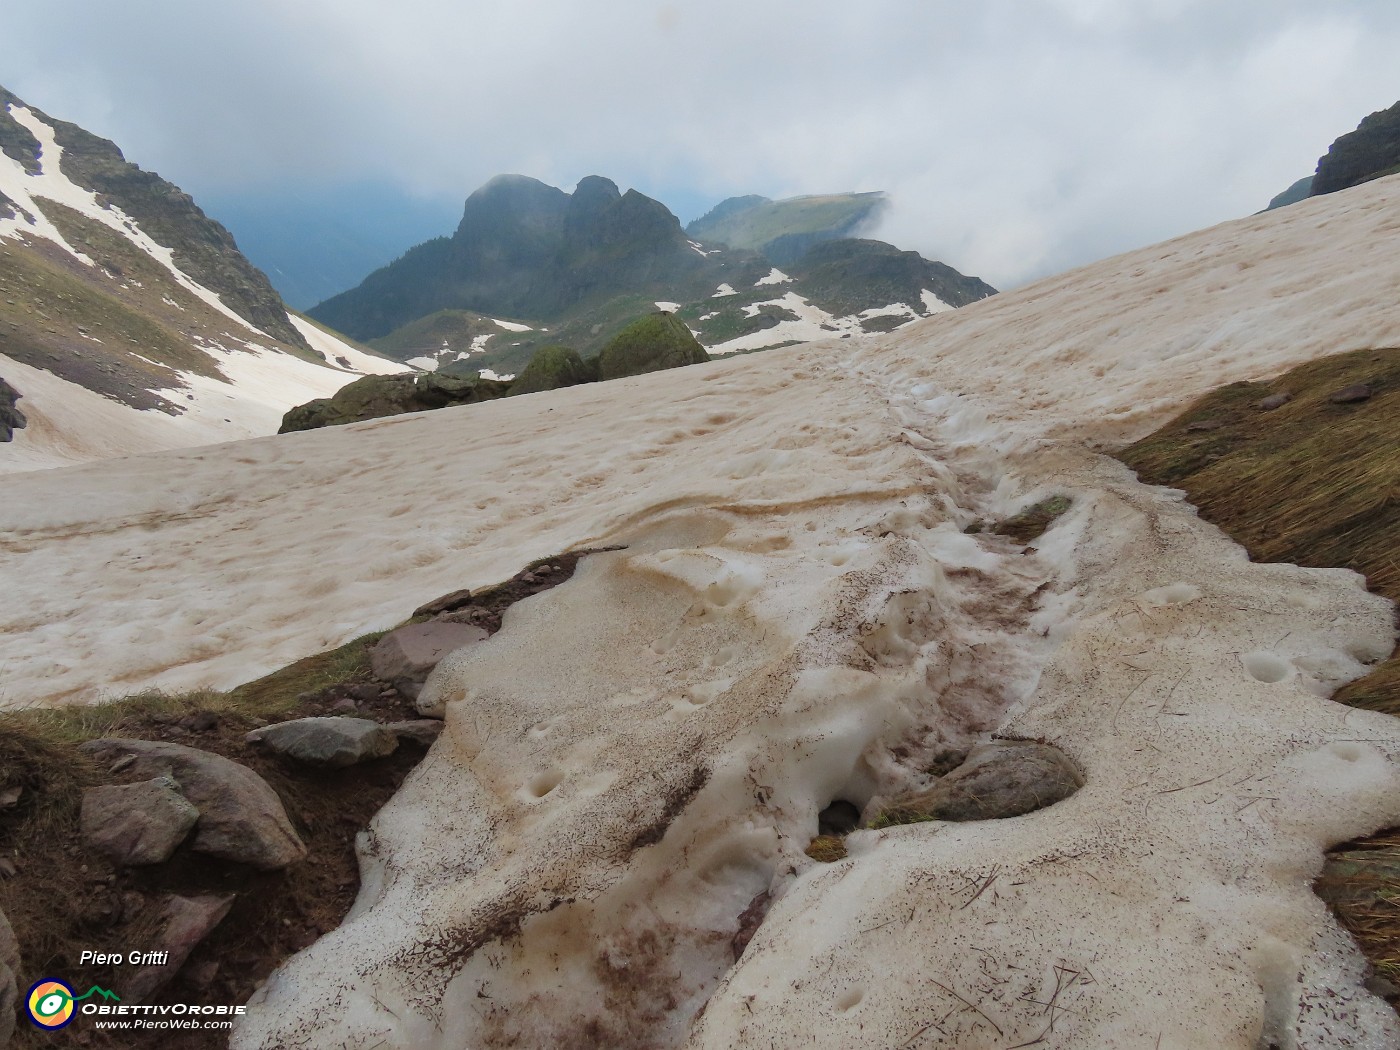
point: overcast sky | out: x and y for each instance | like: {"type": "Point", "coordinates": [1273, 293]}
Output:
{"type": "Point", "coordinates": [1017, 137]}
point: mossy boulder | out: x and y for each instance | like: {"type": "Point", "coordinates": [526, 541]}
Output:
{"type": "Point", "coordinates": [374, 396]}
{"type": "Point", "coordinates": [658, 341]}
{"type": "Point", "coordinates": [552, 367]}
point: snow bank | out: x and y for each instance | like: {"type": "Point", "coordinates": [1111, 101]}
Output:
{"type": "Point", "coordinates": [637, 759]}
{"type": "Point", "coordinates": [52, 184]}
{"type": "Point", "coordinates": [336, 351]}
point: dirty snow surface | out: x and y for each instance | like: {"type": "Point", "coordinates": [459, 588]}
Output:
{"type": "Point", "coordinates": [637, 760]}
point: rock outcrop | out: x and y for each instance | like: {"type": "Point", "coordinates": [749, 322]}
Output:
{"type": "Point", "coordinates": [658, 341]}
{"type": "Point", "coordinates": [11, 418]}
{"type": "Point", "coordinates": [1370, 152]}
{"type": "Point", "coordinates": [390, 395]}
{"type": "Point", "coordinates": [553, 367]}
{"type": "Point", "coordinates": [406, 656]}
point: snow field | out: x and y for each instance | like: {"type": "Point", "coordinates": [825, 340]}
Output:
{"type": "Point", "coordinates": [640, 754]}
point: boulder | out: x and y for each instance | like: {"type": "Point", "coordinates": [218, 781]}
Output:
{"type": "Point", "coordinates": [1353, 394]}
{"type": "Point", "coordinates": [334, 742]}
{"type": "Point", "coordinates": [1273, 401]}
{"type": "Point", "coordinates": [449, 601]}
{"type": "Point", "coordinates": [241, 819]}
{"type": "Point", "coordinates": [374, 396]}
{"type": "Point", "coordinates": [550, 368]}
{"type": "Point", "coordinates": [137, 823]}
{"type": "Point", "coordinates": [655, 342]}
{"type": "Point", "coordinates": [404, 657]}
{"type": "Point", "coordinates": [9, 980]}
{"type": "Point", "coordinates": [417, 730]}
{"type": "Point", "coordinates": [183, 923]}
{"type": "Point", "coordinates": [1004, 778]}
{"type": "Point", "coordinates": [11, 418]}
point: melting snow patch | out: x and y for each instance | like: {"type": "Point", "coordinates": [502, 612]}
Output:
{"type": "Point", "coordinates": [511, 326]}
{"type": "Point", "coordinates": [331, 348]}
{"type": "Point", "coordinates": [723, 290]}
{"type": "Point", "coordinates": [487, 373]}
{"type": "Point", "coordinates": [933, 304]}
{"type": "Point", "coordinates": [775, 276]}
{"type": "Point", "coordinates": [669, 308]}
{"type": "Point", "coordinates": [52, 184]}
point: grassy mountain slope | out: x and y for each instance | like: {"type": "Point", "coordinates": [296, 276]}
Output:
{"type": "Point", "coordinates": [783, 230]}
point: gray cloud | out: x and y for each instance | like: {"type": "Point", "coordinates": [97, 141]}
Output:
{"type": "Point", "coordinates": [1018, 138]}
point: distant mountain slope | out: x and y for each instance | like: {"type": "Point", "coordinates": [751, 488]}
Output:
{"type": "Point", "coordinates": [531, 265]}
{"type": "Point", "coordinates": [129, 321]}
{"type": "Point", "coordinates": [315, 242]}
{"type": "Point", "coordinates": [783, 230]}
{"type": "Point", "coordinates": [524, 249]}
{"type": "Point", "coordinates": [1297, 192]}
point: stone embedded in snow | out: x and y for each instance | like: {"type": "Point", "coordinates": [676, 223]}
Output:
{"type": "Point", "coordinates": [241, 819]}
{"type": "Point", "coordinates": [405, 656]}
{"type": "Point", "coordinates": [334, 742]}
{"type": "Point", "coordinates": [1004, 778]}
{"type": "Point", "coordinates": [137, 823]}
{"type": "Point", "coordinates": [183, 923]}
{"type": "Point", "coordinates": [417, 730]}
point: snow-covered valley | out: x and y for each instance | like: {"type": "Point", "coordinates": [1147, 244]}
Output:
{"type": "Point", "coordinates": [799, 614]}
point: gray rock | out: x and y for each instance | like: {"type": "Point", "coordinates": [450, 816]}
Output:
{"type": "Point", "coordinates": [1352, 394]}
{"type": "Point", "coordinates": [1273, 401]}
{"type": "Point", "coordinates": [137, 823]}
{"type": "Point", "coordinates": [9, 980]}
{"type": "Point", "coordinates": [452, 600]}
{"type": "Point", "coordinates": [364, 692]}
{"type": "Point", "coordinates": [1004, 778]}
{"type": "Point", "coordinates": [241, 819]}
{"type": "Point", "coordinates": [184, 922]}
{"type": "Point", "coordinates": [404, 657]}
{"type": "Point", "coordinates": [334, 742]}
{"type": "Point", "coordinates": [9, 798]}
{"type": "Point", "coordinates": [418, 730]}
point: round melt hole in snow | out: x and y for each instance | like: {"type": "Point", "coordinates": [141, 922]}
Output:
{"type": "Point", "coordinates": [543, 783]}
{"type": "Point", "coordinates": [1266, 667]}
{"type": "Point", "coordinates": [850, 999]}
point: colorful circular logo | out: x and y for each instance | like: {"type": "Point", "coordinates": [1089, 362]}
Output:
{"type": "Point", "coordinates": [50, 1003]}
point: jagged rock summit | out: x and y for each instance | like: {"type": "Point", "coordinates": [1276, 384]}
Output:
{"type": "Point", "coordinates": [530, 265]}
